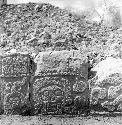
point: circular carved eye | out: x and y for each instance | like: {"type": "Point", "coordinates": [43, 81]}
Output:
{"type": "Point", "coordinates": [45, 93]}
{"type": "Point", "coordinates": [45, 96]}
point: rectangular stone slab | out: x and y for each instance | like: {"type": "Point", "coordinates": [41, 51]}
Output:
{"type": "Point", "coordinates": [54, 94]}
{"type": "Point", "coordinates": [57, 81]}
{"type": "Point", "coordinates": [14, 65]}
{"type": "Point", "coordinates": [15, 94]}
{"type": "Point", "coordinates": [61, 63]}
{"type": "Point", "coordinates": [15, 79]}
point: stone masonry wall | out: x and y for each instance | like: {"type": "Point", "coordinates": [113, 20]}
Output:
{"type": "Point", "coordinates": [55, 82]}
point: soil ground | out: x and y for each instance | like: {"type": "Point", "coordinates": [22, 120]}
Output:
{"type": "Point", "coordinates": [62, 120]}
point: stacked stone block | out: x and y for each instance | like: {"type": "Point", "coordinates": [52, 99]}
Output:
{"type": "Point", "coordinates": [15, 76]}
{"type": "Point", "coordinates": [60, 83]}
{"type": "Point", "coordinates": [56, 84]}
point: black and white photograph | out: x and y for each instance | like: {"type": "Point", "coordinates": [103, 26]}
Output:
{"type": "Point", "coordinates": [60, 62]}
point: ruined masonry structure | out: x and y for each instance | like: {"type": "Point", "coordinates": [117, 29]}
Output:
{"type": "Point", "coordinates": [14, 78]}
{"type": "Point", "coordinates": [53, 83]}
{"type": "Point", "coordinates": [60, 83]}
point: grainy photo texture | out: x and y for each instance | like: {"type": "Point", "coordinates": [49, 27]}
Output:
{"type": "Point", "coordinates": [60, 62]}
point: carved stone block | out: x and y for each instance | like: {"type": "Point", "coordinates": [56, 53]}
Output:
{"type": "Point", "coordinates": [15, 65]}
{"type": "Point", "coordinates": [59, 78]}
{"type": "Point", "coordinates": [60, 93]}
{"type": "Point", "coordinates": [61, 63]}
{"type": "Point", "coordinates": [107, 94]}
{"type": "Point", "coordinates": [15, 95]}
{"type": "Point", "coordinates": [15, 79]}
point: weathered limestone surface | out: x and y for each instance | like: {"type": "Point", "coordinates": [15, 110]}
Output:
{"type": "Point", "coordinates": [60, 83]}
{"type": "Point", "coordinates": [61, 63]}
{"type": "Point", "coordinates": [15, 76]}
{"type": "Point", "coordinates": [106, 88]}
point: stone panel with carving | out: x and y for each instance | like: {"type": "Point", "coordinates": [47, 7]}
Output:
{"type": "Point", "coordinates": [60, 82]}
{"type": "Point", "coordinates": [66, 94]}
{"type": "Point", "coordinates": [107, 94]}
{"type": "Point", "coordinates": [15, 65]}
{"type": "Point", "coordinates": [48, 90]}
{"type": "Point", "coordinates": [16, 95]}
{"type": "Point", "coordinates": [15, 79]}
